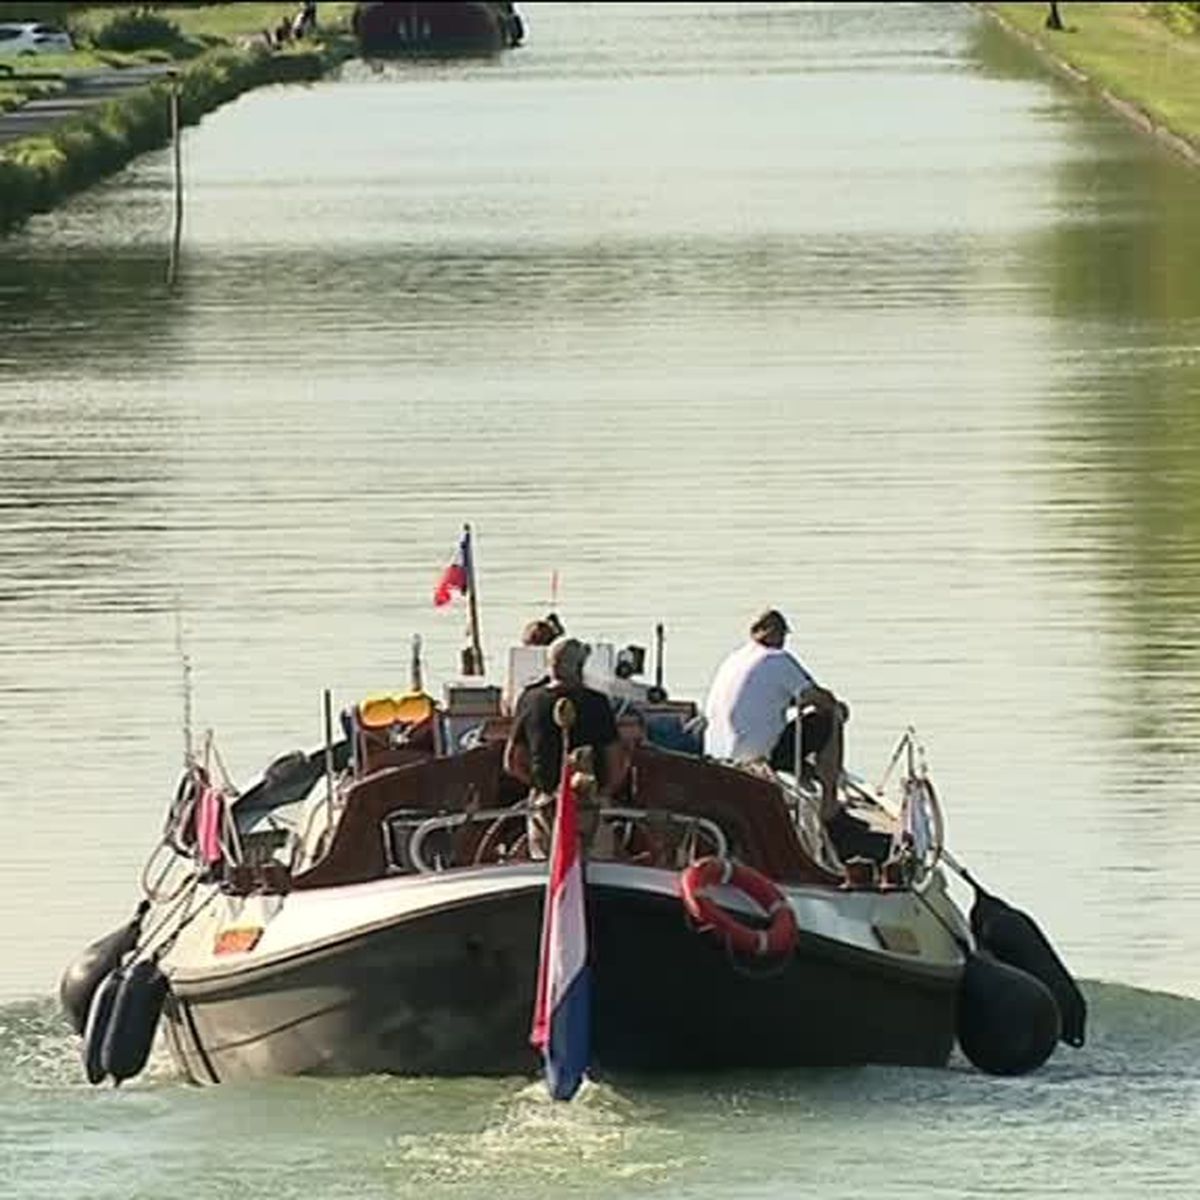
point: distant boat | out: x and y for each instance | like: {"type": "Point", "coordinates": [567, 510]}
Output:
{"type": "Point", "coordinates": [414, 28]}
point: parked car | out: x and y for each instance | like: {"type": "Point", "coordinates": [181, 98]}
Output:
{"type": "Point", "coordinates": [32, 37]}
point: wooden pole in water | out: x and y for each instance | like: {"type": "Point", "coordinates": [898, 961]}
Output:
{"type": "Point", "coordinates": [177, 156]}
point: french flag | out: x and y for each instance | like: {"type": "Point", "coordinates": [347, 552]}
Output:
{"type": "Point", "coordinates": [456, 577]}
{"type": "Point", "coordinates": [562, 1012]}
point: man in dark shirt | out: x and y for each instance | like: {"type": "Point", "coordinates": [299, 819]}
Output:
{"type": "Point", "coordinates": [533, 753]}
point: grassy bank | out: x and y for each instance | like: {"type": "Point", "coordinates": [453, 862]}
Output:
{"type": "Point", "coordinates": [1140, 57]}
{"type": "Point", "coordinates": [199, 30]}
{"type": "Point", "coordinates": [218, 55]}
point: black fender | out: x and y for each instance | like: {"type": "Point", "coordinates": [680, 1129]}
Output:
{"type": "Point", "coordinates": [1008, 934]}
{"type": "Point", "coordinates": [103, 956]}
{"type": "Point", "coordinates": [135, 1012]}
{"type": "Point", "coordinates": [96, 1027]}
{"type": "Point", "coordinates": [1008, 1021]}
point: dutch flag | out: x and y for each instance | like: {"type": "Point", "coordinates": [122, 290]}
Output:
{"type": "Point", "coordinates": [562, 1012]}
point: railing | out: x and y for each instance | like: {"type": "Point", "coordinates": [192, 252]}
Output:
{"type": "Point", "coordinates": [804, 808]}
{"type": "Point", "coordinates": [414, 856]}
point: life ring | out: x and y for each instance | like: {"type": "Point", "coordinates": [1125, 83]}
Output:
{"type": "Point", "coordinates": [778, 940]}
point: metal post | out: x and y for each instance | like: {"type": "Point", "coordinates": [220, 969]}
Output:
{"type": "Point", "coordinates": [414, 670]}
{"type": "Point", "coordinates": [328, 707]}
{"type": "Point", "coordinates": [472, 604]}
{"type": "Point", "coordinates": [799, 742]}
{"type": "Point", "coordinates": [177, 156]}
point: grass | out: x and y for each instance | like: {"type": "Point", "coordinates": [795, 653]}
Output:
{"type": "Point", "coordinates": [204, 28]}
{"type": "Point", "coordinates": [212, 24]}
{"type": "Point", "coordinates": [17, 90]}
{"type": "Point", "coordinates": [1129, 50]}
{"type": "Point", "coordinates": [220, 56]}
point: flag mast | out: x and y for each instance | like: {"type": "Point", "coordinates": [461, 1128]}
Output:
{"type": "Point", "coordinates": [474, 665]}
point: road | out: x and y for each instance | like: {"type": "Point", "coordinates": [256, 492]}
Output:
{"type": "Point", "coordinates": [84, 89]}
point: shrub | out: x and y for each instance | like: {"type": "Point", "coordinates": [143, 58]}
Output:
{"type": "Point", "coordinates": [36, 172]}
{"type": "Point", "coordinates": [138, 28]}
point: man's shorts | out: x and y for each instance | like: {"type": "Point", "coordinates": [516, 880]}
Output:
{"type": "Point", "coordinates": [816, 727]}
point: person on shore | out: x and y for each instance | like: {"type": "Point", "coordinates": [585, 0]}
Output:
{"type": "Point", "coordinates": [534, 750]}
{"type": "Point", "coordinates": [746, 711]}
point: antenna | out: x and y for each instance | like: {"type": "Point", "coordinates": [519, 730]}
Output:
{"type": "Point", "coordinates": [185, 665]}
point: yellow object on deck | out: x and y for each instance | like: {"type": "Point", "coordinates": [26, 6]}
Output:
{"type": "Point", "coordinates": [383, 709]}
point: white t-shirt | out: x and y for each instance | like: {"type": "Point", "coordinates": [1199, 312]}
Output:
{"type": "Point", "coordinates": [747, 703]}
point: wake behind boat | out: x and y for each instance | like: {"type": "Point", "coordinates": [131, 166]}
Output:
{"type": "Point", "coordinates": [375, 905]}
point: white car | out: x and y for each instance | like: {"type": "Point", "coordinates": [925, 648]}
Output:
{"type": "Point", "coordinates": [32, 37]}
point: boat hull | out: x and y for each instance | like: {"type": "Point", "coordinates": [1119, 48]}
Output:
{"type": "Point", "coordinates": [447, 989]}
{"type": "Point", "coordinates": [420, 28]}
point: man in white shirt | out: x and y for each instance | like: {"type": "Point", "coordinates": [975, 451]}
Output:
{"type": "Point", "coordinates": [747, 709]}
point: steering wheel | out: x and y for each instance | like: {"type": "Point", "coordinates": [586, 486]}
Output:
{"type": "Point", "coordinates": [489, 845]}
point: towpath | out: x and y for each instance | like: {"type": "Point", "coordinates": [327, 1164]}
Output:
{"type": "Point", "coordinates": [84, 89]}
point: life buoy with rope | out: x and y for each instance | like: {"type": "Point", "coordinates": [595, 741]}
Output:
{"type": "Point", "coordinates": [778, 940]}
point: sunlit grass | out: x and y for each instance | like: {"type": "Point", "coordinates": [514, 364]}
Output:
{"type": "Point", "coordinates": [1125, 49]}
{"type": "Point", "coordinates": [208, 27]}
{"type": "Point", "coordinates": [211, 24]}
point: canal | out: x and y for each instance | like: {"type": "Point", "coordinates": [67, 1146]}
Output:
{"type": "Point", "coordinates": [847, 309]}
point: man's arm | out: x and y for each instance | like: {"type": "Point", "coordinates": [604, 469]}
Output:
{"type": "Point", "coordinates": [818, 697]}
{"type": "Point", "coordinates": [516, 752]}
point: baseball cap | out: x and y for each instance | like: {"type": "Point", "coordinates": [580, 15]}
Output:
{"type": "Point", "coordinates": [770, 620]}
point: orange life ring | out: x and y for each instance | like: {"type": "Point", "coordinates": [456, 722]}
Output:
{"type": "Point", "coordinates": [778, 940]}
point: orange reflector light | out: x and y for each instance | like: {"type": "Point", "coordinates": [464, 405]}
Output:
{"type": "Point", "coordinates": [238, 940]}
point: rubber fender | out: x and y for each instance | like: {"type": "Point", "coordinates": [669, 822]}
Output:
{"type": "Point", "coordinates": [134, 1019]}
{"type": "Point", "coordinates": [1009, 935]}
{"type": "Point", "coordinates": [1008, 1022]}
{"type": "Point", "coordinates": [81, 979]}
{"type": "Point", "coordinates": [98, 1018]}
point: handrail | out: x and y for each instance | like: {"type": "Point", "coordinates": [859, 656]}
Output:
{"type": "Point", "coordinates": [810, 829]}
{"type": "Point", "coordinates": [441, 821]}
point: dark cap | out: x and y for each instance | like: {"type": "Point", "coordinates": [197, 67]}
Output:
{"type": "Point", "coordinates": [771, 621]}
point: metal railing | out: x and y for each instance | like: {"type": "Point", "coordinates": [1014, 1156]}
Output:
{"type": "Point", "coordinates": [415, 856]}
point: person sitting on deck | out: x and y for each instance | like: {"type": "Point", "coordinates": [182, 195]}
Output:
{"type": "Point", "coordinates": [542, 631]}
{"type": "Point", "coordinates": [533, 752]}
{"type": "Point", "coordinates": [747, 710]}
{"type": "Point", "coordinates": [539, 632]}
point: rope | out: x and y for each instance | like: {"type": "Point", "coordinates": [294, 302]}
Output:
{"type": "Point", "coordinates": [169, 941]}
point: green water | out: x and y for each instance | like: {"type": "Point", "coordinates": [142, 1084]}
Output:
{"type": "Point", "coordinates": [846, 309]}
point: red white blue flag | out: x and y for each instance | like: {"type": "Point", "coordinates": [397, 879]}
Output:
{"type": "Point", "coordinates": [456, 577]}
{"type": "Point", "coordinates": [562, 1011]}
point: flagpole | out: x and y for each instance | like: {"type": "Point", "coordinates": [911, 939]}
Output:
{"type": "Point", "coordinates": [472, 603]}
{"type": "Point", "coordinates": [562, 1020]}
